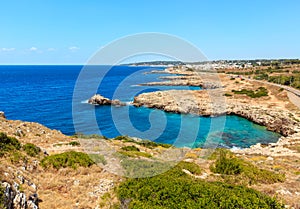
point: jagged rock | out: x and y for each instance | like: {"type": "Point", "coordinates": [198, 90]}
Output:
{"type": "Point", "coordinates": [20, 201]}
{"type": "Point", "coordinates": [14, 199]}
{"type": "Point", "coordinates": [2, 115]}
{"type": "Point", "coordinates": [97, 99]}
{"type": "Point", "coordinates": [9, 195]}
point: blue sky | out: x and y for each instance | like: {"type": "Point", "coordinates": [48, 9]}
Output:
{"type": "Point", "coordinates": [71, 31]}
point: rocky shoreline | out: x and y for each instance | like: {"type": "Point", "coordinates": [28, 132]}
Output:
{"type": "Point", "coordinates": [202, 103]}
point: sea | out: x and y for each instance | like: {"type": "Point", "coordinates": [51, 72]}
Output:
{"type": "Point", "coordinates": [56, 96]}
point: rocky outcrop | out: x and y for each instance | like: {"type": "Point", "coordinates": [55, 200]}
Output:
{"type": "Point", "coordinates": [15, 199]}
{"type": "Point", "coordinates": [98, 99]}
{"type": "Point", "coordinates": [277, 149]}
{"type": "Point", "coordinates": [275, 120]}
{"type": "Point", "coordinates": [2, 115]}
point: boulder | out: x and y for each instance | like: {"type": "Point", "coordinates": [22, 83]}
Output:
{"type": "Point", "coordinates": [98, 99]}
{"type": "Point", "coordinates": [2, 115]}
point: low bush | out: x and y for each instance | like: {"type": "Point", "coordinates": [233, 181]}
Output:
{"type": "Point", "coordinates": [246, 173]}
{"type": "Point", "coordinates": [70, 159]}
{"type": "Point", "coordinates": [227, 164]}
{"type": "Point", "coordinates": [31, 149]}
{"type": "Point", "coordinates": [17, 157]}
{"type": "Point", "coordinates": [260, 92]}
{"type": "Point", "coordinates": [142, 168]}
{"type": "Point", "coordinates": [91, 136]}
{"type": "Point", "coordinates": [74, 143]}
{"type": "Point", "coordinates": [145, 143]}
{"type": "Point", "coordinates": [130, 148]}
{"type": "Point", "coordinates": [135, 154]}
{"type": "Point", "coordinates": [192, 167]}
{"type": "Point", "coordinates": [8, 144]}
{"type": "Point", "coordinates": [175, 189]}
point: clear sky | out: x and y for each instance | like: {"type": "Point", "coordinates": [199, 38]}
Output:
{"type": "Point", "coordinates": [70, 31]}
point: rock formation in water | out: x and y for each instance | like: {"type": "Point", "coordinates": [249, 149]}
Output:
{"type": "Point", "coordinates": [2, 115]}
{"type": "Point", "coordinates": [98, 99]}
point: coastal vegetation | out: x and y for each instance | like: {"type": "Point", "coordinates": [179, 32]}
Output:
{"type": "Point", "coordinates": [260, 92]}
{"type": "Point", "coordinates": [130, 148]}
{"type": "Point", "coordinates": [145, 143]}
{"type": "Point", "coordinates": [31, 149]}
{"type": "Point", "coordinates": [8, 144]}
{"type": "Point", "coordinates": [238, 171]}
{"type": "Point", "coordinates": [176, 189]}
{"type": "Point", "coordinates": [70, 159]}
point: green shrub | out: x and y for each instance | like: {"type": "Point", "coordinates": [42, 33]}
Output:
{"type": "Point", "coordinates": [97, 158]}
{"type": "Point", "coordinates": [135, 154]}
{"type": "Point", "coordinates": [244, 172]}
{"type": "Point", "coordinates": [192, 167]}
{"type": "Point", "coordinates": [31, 149]}
{"type": "Point", "coordinates": [74, 143]}
{"type": "Point", "coordinates": [91, 136]}
{"type": "Point", "coordinates": [8, 144]}
{"type": "Point", "coordinates": [227, 165]}
{"type": "Point", "coordinates": [124, 138]}
{"type": "Point", "coordinates": [130, 148]}
{"type": "Point", "coordinates": [260, 92]}
{"type": "Point", "coordinates": [151, 144]}
{"type": "Point", "coordinates": [139, 167]}
{"type": "Point", "coordinates": [145, 143]}
{"type": "Point", "coordinates": [67, 159]}
{"type": "Point", "coordinates": [175, 189]}
{"type": "Point", "coordinates": [17, 157]}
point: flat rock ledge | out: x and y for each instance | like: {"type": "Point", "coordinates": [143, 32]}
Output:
{"type": "Point", "coordinates": [98, 99]}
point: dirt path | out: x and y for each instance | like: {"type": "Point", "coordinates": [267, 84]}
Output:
{"type": "Point", "coordinates": [293, 94]}
{"type": "Point", "coordinates": [294, 99]}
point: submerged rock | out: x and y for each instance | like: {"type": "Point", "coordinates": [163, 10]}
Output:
{"type": "Point", "coordinates": [98, 99]}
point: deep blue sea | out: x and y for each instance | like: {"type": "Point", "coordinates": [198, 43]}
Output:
{"type": "Point", "coordinates": [45, 94]}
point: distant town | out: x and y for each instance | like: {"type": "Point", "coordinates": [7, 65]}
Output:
{"type": "Point", "coordinates": [223, 64]}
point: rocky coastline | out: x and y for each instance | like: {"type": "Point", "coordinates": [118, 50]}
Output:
{"type": "Point", "coordinates": [202, 104]}
{"type": "Point", "coordinates": [273, 111]}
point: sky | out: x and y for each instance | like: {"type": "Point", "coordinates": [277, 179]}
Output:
{"type": "Point", "coordinates": [71, 31]}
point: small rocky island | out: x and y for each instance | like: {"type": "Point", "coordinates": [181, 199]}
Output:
{"type": "Point", "coordinates": [98, 99]}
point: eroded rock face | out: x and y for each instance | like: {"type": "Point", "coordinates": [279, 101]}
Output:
{"type": "Point", "coordinates": [15, 199]}
{"type": "Point", "coordinates": [98, 99]}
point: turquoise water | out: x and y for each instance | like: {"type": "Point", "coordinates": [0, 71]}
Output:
{"type": "Point", "coordinates": [45, 94]}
